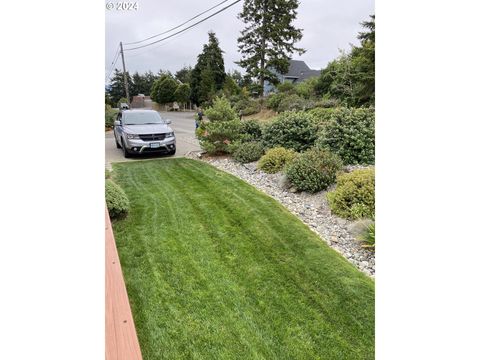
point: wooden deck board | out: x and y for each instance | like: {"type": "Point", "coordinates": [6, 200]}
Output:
{"type": "Point", "coordinates": [121, 342]}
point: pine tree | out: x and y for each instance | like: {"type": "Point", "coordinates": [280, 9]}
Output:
{"type": "Point", "coordinates": [269, 38]}
{"type": "Point", "coordinates": [117, 86]}
{"type": "Point", "coordinates": [208, 75]}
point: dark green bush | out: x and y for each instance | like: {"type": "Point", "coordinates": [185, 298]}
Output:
{"type": "Point", "coordinates": [251, 129]}
{"type": "Point", "coordinates": [247, 106]}
{"type": "Point", "coordinates": [321, 115]}
{"type": "Point", "coordinates": [314, 170]}
{"type": "Point", "coordinates": [116, 199]}
{"type": "Point", "coordinates": [248, 152]}
{"type": "Point", "coordinates": [217, 137]}
{"type": "Point", "coordinates": [276, 159]}
{"type": "Point", "coordinates": [350, 133]}
{"type": "Point", "coordinates": [292, 130]}
{"type": "Point", "coordinates": [273, 100]}
{"type": "Point", "coordinates": [354, 196]}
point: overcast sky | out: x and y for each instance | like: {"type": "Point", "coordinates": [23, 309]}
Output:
{"type": "Point", "coordinates": [328, 25]}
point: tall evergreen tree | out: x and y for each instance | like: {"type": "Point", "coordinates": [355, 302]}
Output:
{"type": "Point", "coordinates": [269, 38]}
{"type": "Point", "coordinates": [208, 75]}
{"type": "Point", "coordinates": [117, 86]}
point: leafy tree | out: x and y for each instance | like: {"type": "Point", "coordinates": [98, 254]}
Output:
{"type": "Point", "coordinates": [163, 90]}
{"type": "Point", "coordinates": [208, 75]}
{"type": "Point", "coordinates": [269, 38]}
{"type": "Point", "coordinates": [351, 77]}
{"type": "Point", "coordinates": [182, 93]}
{"type": "Point", "coordinates": [184, 75]}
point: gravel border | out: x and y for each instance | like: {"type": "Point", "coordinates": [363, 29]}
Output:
{"type": "Point", "coordinates": [312, 209]}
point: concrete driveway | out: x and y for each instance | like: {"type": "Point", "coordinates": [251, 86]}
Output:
{"type": "Point", "coordinates": [182, 123]}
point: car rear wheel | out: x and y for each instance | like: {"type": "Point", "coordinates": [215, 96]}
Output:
{"type": "Point", "coordinates": [126, 153]}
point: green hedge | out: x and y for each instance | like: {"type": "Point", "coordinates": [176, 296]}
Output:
{"type": "Point", "coordinates": [350, 133]}
{"type": "Point", "coordinates": [314, 170]}
{"type": "Point", "coordinates": [291, 130]}
{"type": "Point", "coordinates": [117, 201]}
{"type": "Point", "coordinates": [354, 196]}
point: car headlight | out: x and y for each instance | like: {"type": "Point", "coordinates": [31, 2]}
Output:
{"type": "Point", "coordinates": [170, 134]}
{"type": "Point", "coordinates": [132, 136]}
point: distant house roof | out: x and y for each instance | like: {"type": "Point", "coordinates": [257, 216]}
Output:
{"type": "Point", "coordinates": [300, 71]}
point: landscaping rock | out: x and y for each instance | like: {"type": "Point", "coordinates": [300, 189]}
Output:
{"type": "Point", "coordinates": [312, 209]}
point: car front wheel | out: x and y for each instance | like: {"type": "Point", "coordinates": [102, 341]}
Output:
{"type": "Point", "coordinates": [116, 142]}
{"type": "Point", "coordinates": [126, 153]}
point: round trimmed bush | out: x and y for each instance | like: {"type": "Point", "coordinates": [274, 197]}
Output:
{"type": "Point", "coordinates": [354, 197]}
{"type": "Point", "coordinates": [350, 133]}
{"type": "Point", "coordinates": [291, 130]}
{"type": "Point", "coordinates": [117, 201]}
{"type": "Point", "coordinates": [314, 170]}
{"type": "Point", "coordinates": [276, 159]}
{"type": "Point", "coordinates": [251, 129]}
{"type": "Point", "coordinates": [248, 152]}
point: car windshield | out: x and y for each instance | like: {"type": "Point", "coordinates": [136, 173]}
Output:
{"type": "Point", "coordinates": [142, 118]}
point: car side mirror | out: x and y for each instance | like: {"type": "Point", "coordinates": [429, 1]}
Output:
{"type": "Point", "coordinates": [117, 123]}
{"type": "Point", "coordinates": [168, 122]}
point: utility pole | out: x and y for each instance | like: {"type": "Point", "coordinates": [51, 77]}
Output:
{"type": "Point", "coordinates": [125, 81]}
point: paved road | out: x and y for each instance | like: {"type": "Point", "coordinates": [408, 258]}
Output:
{"type": "Point", "coordinates": [184, 127]}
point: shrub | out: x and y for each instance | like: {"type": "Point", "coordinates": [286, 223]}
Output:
{"type": "Point", "coordinates": [328, 103]}
{"type": "Point", "coordinates": [117, 201]}
{"type": "Point", "coordinates": [354, 197]}
{"type": "Point", "coordinates": [110, 116]}
{"type": "Point", "coordinates": [246, 105]}
{"type": "Point", "coordinates": [251, 129]}
{"type": "Point", "coordinates": [292, 130]}
{"type": "Point", "coordinates": [221, 110]}
{"type": "Point", "coordinates": [273, 100]}
{"type": "Point", "coordinates": [276, 159]}
{"type": "Point", "coordinates": [321, 115]}
{"type": "Point", "coordinates": [286, 87]}
{"type": "Point", "coordinates": [306, 89]}
{"type": "Point", "coordinates": [294, 102]}
{"type": "Point", "coordinates": [314, 170]}
{"type": "Point", "coordinates": [216, 137]}
{"type": "Point", "coordinates": [248, 151]}
{"type": "Point", "coordinates": [351, 134]}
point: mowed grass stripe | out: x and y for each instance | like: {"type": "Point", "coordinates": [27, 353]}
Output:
{"type": "Point", "coordinates": [216, 269]}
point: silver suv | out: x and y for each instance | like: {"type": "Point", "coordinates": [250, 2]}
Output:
{"type": "Point", "coordinates": [143, 131]}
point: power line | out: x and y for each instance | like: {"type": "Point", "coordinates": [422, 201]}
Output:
{"type": "Point", "coordinates": [189, 27]}
{"type": "Point", "coordinates": [176, 27]}
{"type": "Point", "coordinates": [112, 65]}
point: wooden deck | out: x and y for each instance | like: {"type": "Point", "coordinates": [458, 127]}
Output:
{"type": "Point", "coordinates": [121, 342]}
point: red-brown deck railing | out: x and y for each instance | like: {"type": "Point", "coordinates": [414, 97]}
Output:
{"type": "Point", "coordinates": [121, 340]}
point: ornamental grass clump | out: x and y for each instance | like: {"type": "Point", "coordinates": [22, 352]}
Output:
{"type": "Point", "coordinates": [314, 170]}
{"type": "Point", "coordinates": [116, 199]}
{"type": "Point", "coordinates": [276, 159]}
{"type": "Point", "coordinates": [354, 196]}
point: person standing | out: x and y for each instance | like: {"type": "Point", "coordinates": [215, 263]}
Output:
{"type": "Point", "coordinates": [199, 118]}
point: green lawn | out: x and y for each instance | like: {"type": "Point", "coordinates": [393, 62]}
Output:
{"type": "Point", "coordinates": [217, 270]}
